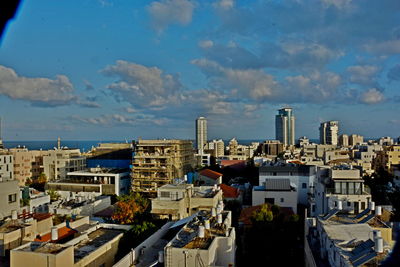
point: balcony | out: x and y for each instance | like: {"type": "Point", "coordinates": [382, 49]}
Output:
{"type": "Point", "coordinates": [334, 191]}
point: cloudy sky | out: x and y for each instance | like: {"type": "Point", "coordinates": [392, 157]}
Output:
{"type": "Point", "coordinates": [96, 70]}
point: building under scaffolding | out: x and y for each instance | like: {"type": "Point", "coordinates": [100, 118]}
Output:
{"type": "Point", "coordinates": [159, 162]}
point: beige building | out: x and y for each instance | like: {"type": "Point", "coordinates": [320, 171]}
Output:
{"type": "Point", "coordinates": [386, 158]}
{"type": "Point", "coordinates": [356, 139]}
{"type": "Point", "coordinates": [58, 162]}
{"type": "Point", "coordinates": [92, 244]}
{"type": "Point", "coordinates": [328, 133]}
{"type": "Point", "coordinates": [6, 165]}
{"type": "Point", "coordinates": [344, 140]}
{"type": "Point", "coordinates": [216, 148]}
{"type": "Point", "coordinates": [22, 229]}
{"type": "Point", "coordinates": [158, 162]}
{"type": "Point", "coordinates": [28, 164]}
{"type": "Point", "coordinates": [9, 197]}
{"type": "Point", "coordinates": [208, 241]}
{"type": "Point", "coordinates": [179, 201]}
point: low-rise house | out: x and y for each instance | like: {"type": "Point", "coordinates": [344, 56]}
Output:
{"type": "Point", "coordinates": [302, 176]}
{"type": "Point", "coordinates": [276, 191]}
{"type": "Point", "coordinates": [209, 177]}
{"type": "Point", "coordinates": [182, 200]}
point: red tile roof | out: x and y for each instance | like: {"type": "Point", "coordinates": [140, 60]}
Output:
{"type": "Point", "coordinates": [229, 191]}
{"type": "Point", "coordinates": [226, 162]}
{"type": "Point", "coordinates": [63, 232]}
{"type": "Point", "coordinates": [210, 174]}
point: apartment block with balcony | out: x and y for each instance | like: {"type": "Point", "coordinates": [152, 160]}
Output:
{"type": "Point", "coordinates": [28, 164]}
{"type": "Point", "coordinates": [100, 181]}
{"type": "Point", "coordinates": [58, 162]}
{"type": "Point", "coordinates": [159, 162]}
{"type": "Point", "coordinates": [179, 201]}
{"type": "Point", "coordinates": [340, 183]}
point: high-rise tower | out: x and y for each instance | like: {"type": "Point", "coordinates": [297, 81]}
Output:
{"type": "Point", "coordinates": [285, 126]}
{"type": "Point", "coordinates": [328, 133]}
{"type": "Point", "coordinates": [201, 134]}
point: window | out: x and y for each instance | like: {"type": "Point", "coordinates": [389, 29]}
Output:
{"type": "Point", "coordinates": [348, 203]}
{"type": "Point", "coordinates": [164, 194]}
{"type": "Point", "coordinates": [304, 185]}
{"type": "Point", "coordinates": [282, 199]}
{"type": "Point", "coordinates": [12, 198]}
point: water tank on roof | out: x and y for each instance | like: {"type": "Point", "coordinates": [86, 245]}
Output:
{"type": "Point", "coordinates": [54, 233]}
{"type": "Point", "coordinates": [201, 232]}
{"type": "Point", "coordinates": [378, 211]}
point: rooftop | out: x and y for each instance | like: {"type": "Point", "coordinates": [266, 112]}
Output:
{"type": "Point", "coordinates": [188, 237]}
{"type": "Point", "coordinates": [95, 240]}
{"type": "Point", "coordinates": [40, 247]}
{"type": "Point", "coordinates": [229, 191]}
{"type": "Point", "coordinates": [99, 171]}
{"type": "Point", "coordinates": [278, 185]}
{"type": "Point", "coordinates": [210, 174]}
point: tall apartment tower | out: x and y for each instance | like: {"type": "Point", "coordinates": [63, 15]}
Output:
{"type": "Point", "coordinates": [285, 126]}
{"type": "Point", "coordinates": [201, 134]}
{"type": "Point", "coordinates": [328, 133]}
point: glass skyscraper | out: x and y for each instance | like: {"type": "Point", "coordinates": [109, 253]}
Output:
{"type": "Point", "coordinates": [285, 126]}
{"type": "Point", "coordinates": [201, 134]}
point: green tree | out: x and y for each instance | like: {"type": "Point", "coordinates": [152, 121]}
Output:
{"type": "Point", "coordinates": [54, 196]}
{"type": "Point", "coordinates": [263, 215]}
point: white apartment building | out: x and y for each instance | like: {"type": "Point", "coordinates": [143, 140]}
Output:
{"type": "Point", "coordinates": [201, 134]}
{"type": "Point", "coordinates": [57, 163]}
{"type": "Point", "coordinates": [339, 183]}
{"type": "Point", "coordinates": [276, 191]}
{"type": "Point", "coordinates": [303, 177]}
{"type": "Point", "coordinates": [328, 132]}
{"type": "Point", "coordinates": [100, 181]}
{"type": "Point", "coordinates": [216, 148]}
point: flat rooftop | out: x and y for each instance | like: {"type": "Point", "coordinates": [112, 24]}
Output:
{"type": "Point", "coordinates": [95, 240]}
{"type": "Point", "coordinates": [99, 171]}
{"type": "Point", "coordinates": [41, 247]}
{"type": "Point", "coordinates": [188, 238]}
{"type": "Point", "coordinates": [11, 226]}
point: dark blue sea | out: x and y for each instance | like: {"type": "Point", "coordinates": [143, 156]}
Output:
{"type": "Point", "coordinates": [45, 145]}
{"type": "Point", "coordinates": [87, 145]}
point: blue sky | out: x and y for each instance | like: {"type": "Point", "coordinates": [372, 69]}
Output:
{"type": "Point", "coordinates": [92, 70]}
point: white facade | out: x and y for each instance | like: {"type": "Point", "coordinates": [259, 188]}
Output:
{"type": "Point", "coordinates": [302, 176]}
{"type": "Point", "coordinates": [328, 132]}
{"type": "Point", "coordinates": [281, 198]}
{"type": "Point", "coordinates": [201, 134]}
{"type": "Point", "coordinates": [345, 185]}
